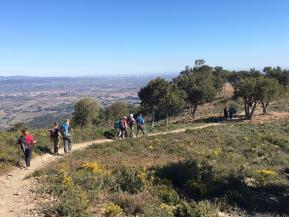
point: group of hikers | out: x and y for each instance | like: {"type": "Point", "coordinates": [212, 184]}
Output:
{"type": "Point", "coordinates": [230, 113]}
{"type": "Point", "coordinates": [125, 126]}
{"type": "Point", "coordinates": [56, 133]}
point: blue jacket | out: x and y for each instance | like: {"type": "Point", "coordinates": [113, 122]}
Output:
{"type": "Point", "coordinates": [140, 120]}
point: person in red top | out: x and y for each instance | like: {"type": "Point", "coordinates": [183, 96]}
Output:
{"type": "Point", "coordinates": [26, 141]}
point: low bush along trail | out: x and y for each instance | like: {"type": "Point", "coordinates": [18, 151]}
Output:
{"type": "Point", "coordinates": [236, 168]}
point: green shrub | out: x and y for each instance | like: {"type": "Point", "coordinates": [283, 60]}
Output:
{"type": "Point", "coordinates": [150, 210]}
{"type": "Point", "coordinates": [93, 184]}
{"type": "Point", "coordinates": [277, 139]}
{"type": "Point", "coordinates": [196, 209]}
{"type": "Point", "coordinates": [73, 202]}
{"type": "Point", "coordinates": [113, 210]}
{"type": "Point", "coordinates": [196, 189]}
{"type": "Point", "coordinates": [133, 204]}
{"type": "Point", "coordinates": [179, 173]}
{"type": "Point", "coordinates": [167, 194]}
{"type": "Point", "coordinates": [183, 210]}
{"type": "Point", "coordinates": [131, 180]}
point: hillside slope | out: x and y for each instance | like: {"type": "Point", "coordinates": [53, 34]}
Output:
{"type": "Point", "coordinates": [19, 188]}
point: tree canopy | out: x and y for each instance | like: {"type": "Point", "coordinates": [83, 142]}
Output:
{"type": "Point", "coordinates": [161, 97]}
{"type": "Point", "coordinates": [86, 112]}
{"type": "Point", "coordinates": [201, 84]}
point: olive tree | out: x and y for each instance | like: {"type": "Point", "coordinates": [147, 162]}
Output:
{"type": "Point", "coordinates": [268, 90]}
{"type": "Point", "coordinates": [200, 85]}
{"type": "Point", "coordinates": [86, 112]}
{"type": "Point", "coordinates": [153, 95]}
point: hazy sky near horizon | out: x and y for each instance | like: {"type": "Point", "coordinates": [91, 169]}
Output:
{"type": "Point", "coordinates": [92, 37]}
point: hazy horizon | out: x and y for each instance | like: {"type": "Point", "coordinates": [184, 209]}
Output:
{"type": "Point", "coordinates": [89, 38]}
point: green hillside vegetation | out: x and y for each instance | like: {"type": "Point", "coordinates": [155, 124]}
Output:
{"type": "Point", "coordinates": [236, 168]}
{"type": "Point", "coordinates": [239, 167]}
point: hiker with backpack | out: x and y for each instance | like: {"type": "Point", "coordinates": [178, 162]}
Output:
{"type": "Point", "coordinates": [66, 132]}
{"type": "Point", "coordinates": [123, 127]}
{"type": "Point", "coordinates": [26, 142]}
{"type": "Point", "coordinates": [131, 122]}
{"type": "Point", "coordinates": [117, 128]}
{"type": "Point", "coordinates": [55, 136]}
{"type": "Point", "coordinates": [232, 112]}
{"type": "Point", "coordinates": [140, 124]}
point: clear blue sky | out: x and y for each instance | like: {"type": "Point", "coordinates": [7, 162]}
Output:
{"type": "Point", "coordinates": [90, 37]}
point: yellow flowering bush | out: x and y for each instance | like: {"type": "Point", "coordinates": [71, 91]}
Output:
{"type": "Point", "coordinates": [267, 172]}
{"type": "Point", "coordinates": [113, 210]}
{"type": "Point", "coordinates": [67, 181]}
{"type": "Point", "coordinates": [142, 175]}
{"type": "Point", "coordinates": [94, 167]}
{"type": "Point", "coordinates": [217, 151]}
{"type": "Point", "coordinates": [169, 209]}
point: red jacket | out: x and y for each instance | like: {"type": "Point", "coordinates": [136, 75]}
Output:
{"type": "Point", "coordinates": [28, 141]}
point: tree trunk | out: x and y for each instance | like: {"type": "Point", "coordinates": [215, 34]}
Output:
{"type": "Point", "coordinates": [194, 111]}
{"type": "Point", "coordinates": [153, 118]}
{"type": "Point", "coordinates": [82, 124]}
{"type": "Point", "coordinates": [247, 110]}
{"type": "Point", "coordinates": [265, 107]}
{"type": "Point", "coordinates": [167, 118]}
{"type": "Point", "coordinates": [253, 110]}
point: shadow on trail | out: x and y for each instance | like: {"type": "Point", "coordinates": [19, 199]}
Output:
{"type": "Point", "coordinates": [198, 183]}
{"type": "Point", "coordinates": [42, 149]}
{"type": "Point", "coordinates": [109, 134]}
{"type": "Point", "coordinates": [218, 120]}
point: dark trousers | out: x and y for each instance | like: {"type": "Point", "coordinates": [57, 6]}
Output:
{"type": "Point", "coordinates": [123, 133]}
{"type": "Point", "coordinates": [56, 145]}
{"type": "Point", "coordinates": [28, 156]}
{"type": "Point", "coordinates": [140, 128]}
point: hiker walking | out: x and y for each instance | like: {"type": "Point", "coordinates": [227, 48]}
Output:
{"type": "Point", "coordinates": [235, 112]}
{"type": "Point", "coordinates": [131, 122]}
{"type": "Point", "coordinates": [123, 127]}
{"type": "Point", "coordinates": [117, 128]}
{"type": "Point", "coordinates": [55, 136]}
{"type": "Point", "coordinates": [140, 124]}
{"type": "Point", "coordinates": [226, 115]}
{"type": "Point", "coordinates": [66, 135]}
{"type": "Point", "coordinates": [231, 112]}
{"type": "Point", "coordinates": [26, 142]}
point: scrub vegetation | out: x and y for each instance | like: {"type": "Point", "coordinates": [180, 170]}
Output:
{"type": "Point", "coordinates": [236, 168]}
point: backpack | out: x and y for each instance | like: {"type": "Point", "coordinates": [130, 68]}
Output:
{"type": "Point", "coordinates": [122, 124]}
{"type": "Point", "coordinates": [140, 120]}
{"type": "Point", "coordinates": [65, 129]}
{"type": "Point", "coordinates": [117, 125]}
{"type": "Point", "coordinates": [54, 133]}
{"type": "Point", "coordinates": [22, 143]}
{"type": "Point", "coordinates": [130, 121]}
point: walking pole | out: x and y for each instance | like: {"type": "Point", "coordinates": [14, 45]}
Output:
{"type": "Point", "coordinates": [19, 156]}
{"type": "Point", "coordinates": [41, 156]}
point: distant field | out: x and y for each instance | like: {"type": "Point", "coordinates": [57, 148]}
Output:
{"type": "Point", "coordinates": [25, 98]}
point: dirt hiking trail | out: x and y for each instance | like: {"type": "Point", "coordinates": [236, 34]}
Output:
{"type": "Point", "coordinates": [17, 195]}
